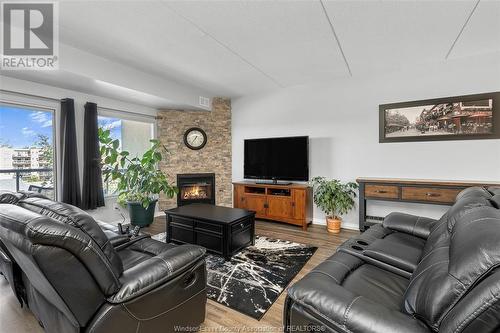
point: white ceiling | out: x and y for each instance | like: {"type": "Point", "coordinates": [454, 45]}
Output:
{"type": "Point", "coordinates": [235, 48]}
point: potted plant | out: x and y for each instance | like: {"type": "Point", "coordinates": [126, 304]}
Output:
{"type": "Point", "coordinates": [140, 182]}
{"type": "Point", "coordinates": [334, 199]}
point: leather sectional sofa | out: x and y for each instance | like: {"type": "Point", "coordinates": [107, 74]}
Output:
{"type": "Point", "coordinates": [410, 274]}
{"type": "Point", "coordinates": [75, 277]}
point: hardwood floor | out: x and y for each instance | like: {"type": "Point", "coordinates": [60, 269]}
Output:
{"type": "Point", "coordinates": [218, 318]}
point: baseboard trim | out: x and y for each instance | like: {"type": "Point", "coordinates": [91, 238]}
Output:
{"type": "Point", "coordinates": [348, 226]}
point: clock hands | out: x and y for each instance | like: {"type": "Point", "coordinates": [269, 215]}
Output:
{"type": "Point", "coordinates": [196, 139]}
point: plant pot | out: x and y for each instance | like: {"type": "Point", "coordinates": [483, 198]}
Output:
{"type": "Point", "coordinates": [139, 215]}
{"type": "Point", "coordinates": [333, 224]}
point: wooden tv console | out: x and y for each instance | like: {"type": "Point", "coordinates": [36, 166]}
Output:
{"type": "Point", "coordinates": [285, 203]}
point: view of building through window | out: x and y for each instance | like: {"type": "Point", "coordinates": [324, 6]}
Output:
{"type": "Point", "coordinates": [134, 137]}
{"type": "Point", "coordinates": [27, 149]}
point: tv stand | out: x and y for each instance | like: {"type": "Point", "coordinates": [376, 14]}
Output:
{"type": "Point", "coordinates": [288, 203]}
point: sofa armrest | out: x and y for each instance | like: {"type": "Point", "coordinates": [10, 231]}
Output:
{"type": "Point", "coordinates": [117, 240]}
{"type": "Point", "coordinates": [395, 254]}
{"type": "Point", "coordinates": [157, 270]}
{"type": "Point", "coordinates": [410, 224]}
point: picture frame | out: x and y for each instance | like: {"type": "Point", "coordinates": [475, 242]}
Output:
{"type": "Point", "coordinates": [465, 117]}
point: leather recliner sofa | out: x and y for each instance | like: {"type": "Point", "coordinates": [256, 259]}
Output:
{"type": "Point", "coordinates": [410, 274]}
{"type": "Point", "coordinates": [75, 277]}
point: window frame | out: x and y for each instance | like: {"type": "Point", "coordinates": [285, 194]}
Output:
{"type": "Point", "coordinates": [55, 140]}
{"type": "Point", "coordinates": [130, 116]}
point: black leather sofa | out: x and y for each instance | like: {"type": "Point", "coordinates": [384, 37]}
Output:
{"type": "Point", "coordinates": [410, 274]}
{"type": "Point", "coordinates": [75, 277]}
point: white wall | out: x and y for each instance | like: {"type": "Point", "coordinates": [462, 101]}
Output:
{"type": "Point", "coordinates": [341, 119]}
{"type": "Point", "coordinates": [107, 213]}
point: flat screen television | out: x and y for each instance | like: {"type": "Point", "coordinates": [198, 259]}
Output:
{"type": "Point", "coordinates": [277, 159]}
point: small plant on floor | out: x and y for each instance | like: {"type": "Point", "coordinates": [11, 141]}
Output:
{"type": "Point", "coordinates": [140, 182]}
{"type": "Point", "coordinates": [334, 198]}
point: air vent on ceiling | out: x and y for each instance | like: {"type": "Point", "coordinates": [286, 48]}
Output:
{"type": "Point", "coordinates": [205, 101]}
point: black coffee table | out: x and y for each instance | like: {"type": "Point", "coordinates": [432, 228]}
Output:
{"type": "Point", "coordinates": [221, 230]}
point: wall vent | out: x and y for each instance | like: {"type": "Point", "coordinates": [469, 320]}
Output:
{"type": "Point", "coordinates": [375, 218]}
{"type": "Point", "coordinates": [205, 101]}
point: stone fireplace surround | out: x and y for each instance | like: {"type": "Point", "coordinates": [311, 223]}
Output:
{"type": "Point", "coordinates": [215, 157]}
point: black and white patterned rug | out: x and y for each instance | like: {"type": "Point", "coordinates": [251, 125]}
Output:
{"type": "Point", "coordinates": [255, 277]}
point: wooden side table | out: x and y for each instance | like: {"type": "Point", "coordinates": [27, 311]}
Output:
{"type": "Point", "coordinates": [424, 191]}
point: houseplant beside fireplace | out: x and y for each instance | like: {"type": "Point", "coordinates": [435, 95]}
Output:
{"type": "Point", "coordinates": [140, 182]}
{"type": "Point", "coordinates": [335, 199]}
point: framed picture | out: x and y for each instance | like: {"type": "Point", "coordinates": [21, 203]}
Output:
{"type": "Point", "coordinates": [468, 117]}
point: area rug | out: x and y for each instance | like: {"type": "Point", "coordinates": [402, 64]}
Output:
{"type": "Point", "coordinates": [255, 277]}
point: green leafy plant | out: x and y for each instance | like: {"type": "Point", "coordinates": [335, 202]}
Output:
{"type": "Point", "coordinates": [333, 197]}
{"type": "Point", "coordinates": [139, 179]}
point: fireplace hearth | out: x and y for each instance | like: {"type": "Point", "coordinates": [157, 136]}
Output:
{"type": "Point", "coordinates": [196, 188]}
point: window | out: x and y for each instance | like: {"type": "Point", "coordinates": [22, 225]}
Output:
{"type": "Point", "coordinates": [133, 135]}
{"type": "Point", "coordinates": [27, 149]}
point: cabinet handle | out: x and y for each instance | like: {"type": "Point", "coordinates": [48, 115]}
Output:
{"type": "Point", "coordinates": [430, 194]}
{"type": "Point", "coordinates": [381, 191]}
{"type": "Point", "coordinates": [293, 204]}
{"type": "Point", "coordinates": [242, 199]}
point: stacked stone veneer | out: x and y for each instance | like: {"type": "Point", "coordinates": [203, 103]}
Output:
{"type": "Point", "coordinates": [215, 157]}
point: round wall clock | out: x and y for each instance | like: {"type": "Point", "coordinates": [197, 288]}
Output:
{"type": "Point", "coordinates": [195, 138]}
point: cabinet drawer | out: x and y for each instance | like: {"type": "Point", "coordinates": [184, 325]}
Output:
{"type": "Point", "coordinates": [182, 234]}
{"type": "Point", "coordinates": [241, 239]}
{"type": "Point", "coordinates": [241, 225]}
{"type": "Point", "coordinates": [211, 227]}
{"type": "Point", "coordinates": [181, 221]}
{"type": "Point", "coordinates": [443, 195]}
{"type": "Point", "coordinates": [381, 191]}
{"type": "Point", "coordinates": [210, 241]}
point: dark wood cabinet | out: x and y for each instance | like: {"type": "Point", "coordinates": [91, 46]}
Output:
{"type": "Point", "coordinates": [434, 192]}
{"type": "Point", "coordinates": [285, 203]}
{"type": "Point", "coordinates": [221, 230]}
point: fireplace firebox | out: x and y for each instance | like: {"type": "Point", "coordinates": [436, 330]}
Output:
{"type": "Point", "coordinates": [196, 188]}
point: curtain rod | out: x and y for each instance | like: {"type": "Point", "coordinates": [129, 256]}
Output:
{"type": "Point", "coordinates": [58, 100]}
{"type": "Point", "coordinates": [127, 112]}
{"type": "Point", "coordinates": [29, 95]}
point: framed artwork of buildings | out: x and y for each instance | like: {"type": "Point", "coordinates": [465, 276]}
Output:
{"type": "Point", "coordinates": [468, 117]}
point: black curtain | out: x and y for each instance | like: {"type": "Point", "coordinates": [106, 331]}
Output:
{"type": "Point", "coordinates": [93, 195]}
{"type": "Point", "coordinates": [69, 167]}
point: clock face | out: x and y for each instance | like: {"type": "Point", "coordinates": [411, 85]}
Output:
{"type": "Point", "coordinates": [195, 138]}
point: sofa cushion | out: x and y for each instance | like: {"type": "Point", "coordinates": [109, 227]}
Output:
{"type": "Point", "coordinates": [463, 206]}
{"type": "Point", "coordinates": [378, 285]}
{"type": "Point", "coordinates": [450, 271]}
{"type": "Point", "coordinates": [475, 192]}
{"type": "Point", "coordinates": [353, 296]}
{"type": "Point", "coordinates": [79, 219]}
